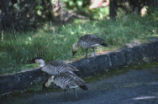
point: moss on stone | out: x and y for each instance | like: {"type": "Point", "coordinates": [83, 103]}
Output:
{"type": "Point", "coordinates": [119, 71]}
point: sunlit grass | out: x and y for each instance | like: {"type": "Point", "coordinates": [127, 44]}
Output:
{"type": "Point", "coordinates": [55, 42]}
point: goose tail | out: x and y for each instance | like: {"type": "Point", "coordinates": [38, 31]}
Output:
{"type": "Point", "coordinates": [84, 87]}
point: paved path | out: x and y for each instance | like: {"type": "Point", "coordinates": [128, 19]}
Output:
{"type": "Point", "coordinates": [133, 87]}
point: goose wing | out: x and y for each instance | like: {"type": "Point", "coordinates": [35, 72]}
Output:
{"type": "Point", "coordinates": [69, 80]}
{"type": "Point", "coordinates": [91, 39]}
{"type": "Point", "coordinates": [64, 81]}
{"type": "Point", "coordinates": [79, 81]}
{"type": "Point", "coordinates": [55, 67]}
{"type": "Point", "coordinates": [68, 67]}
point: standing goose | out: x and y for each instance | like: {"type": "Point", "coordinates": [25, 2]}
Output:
{"type": "Point", "coordinates": [88, 41]}
{"type": "Point", "coordinates": [67, 81]}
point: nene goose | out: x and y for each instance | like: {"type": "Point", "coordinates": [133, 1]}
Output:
{"type": "Point", "coordinates": [55, 67]}
{"type": "Point", "coordinates": [67, 81]}
{"type": "Point", "coordinates": [88, 41]}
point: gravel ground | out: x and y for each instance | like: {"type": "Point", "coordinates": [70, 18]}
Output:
{"type": "Point", "coordinates": [133, 87]}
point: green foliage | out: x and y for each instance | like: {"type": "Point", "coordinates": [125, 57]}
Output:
{"type": "Point", "coordinates": [24, 15]}
{"type": "Point", "coordinates": [77, 4]}
{"type": "Point", "coordinates": [52, 42]}
{"type": "Point", "coordinates": [153, 13]}
{"type": "Point", "coordinates": [100, 13]}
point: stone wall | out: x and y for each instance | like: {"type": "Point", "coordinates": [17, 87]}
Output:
{"type": "Point", "coordinates": [146, 52]}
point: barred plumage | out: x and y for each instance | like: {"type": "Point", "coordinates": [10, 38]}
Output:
{"type": "Point", "coordinates": [66, 81]}
{"type": "Point", "coordinates": [88, 41]}
{"type": "Point", "coordinates": [62, 75]}
{"type": "Point", "coordinates": [58, 68]}
{"type": "Point", "coordinates": [55, 67]}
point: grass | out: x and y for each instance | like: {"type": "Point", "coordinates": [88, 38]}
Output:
{"type": "Point", "coordinates": [55, 42]}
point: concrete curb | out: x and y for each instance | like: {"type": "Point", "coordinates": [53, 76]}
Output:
{"type": "Point", "coordinates": [146, 52]}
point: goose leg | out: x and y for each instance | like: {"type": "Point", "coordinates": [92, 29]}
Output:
{"type": "Point", "coordinates": [94, 51]}
{"type": "Point", "coordinates": [86, 52]}
{"type": "Point", "coordinates": [75, 93]}
{"type": "Point", "coordinates": [43, 86]}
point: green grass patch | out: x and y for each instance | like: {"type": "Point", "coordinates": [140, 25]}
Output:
{"type": "Point", "coordinates": [55, 42]}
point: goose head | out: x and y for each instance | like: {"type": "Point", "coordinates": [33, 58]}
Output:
{"type": "Point", "coordinates": [74, 48]}
{"type": "Point", "coordinates": [40, 61]}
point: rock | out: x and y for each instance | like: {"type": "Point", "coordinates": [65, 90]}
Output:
{"type": "Point", "coordinates": [117, 59]}
{"type": "Point", "coordinates": [132, 44]}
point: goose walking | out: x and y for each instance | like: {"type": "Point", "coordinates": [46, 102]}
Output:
{"type": "Point", "coordinates": [88, 41]}
{"type": "Point", "coordinates": [67, 81]}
